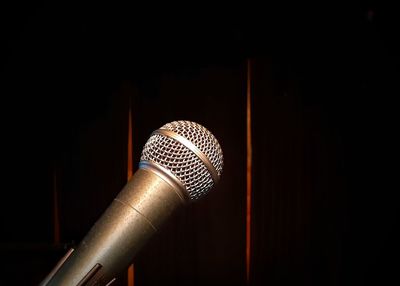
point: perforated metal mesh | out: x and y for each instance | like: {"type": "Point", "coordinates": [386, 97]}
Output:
{"type": "Point", "coordinates": [181, 161]}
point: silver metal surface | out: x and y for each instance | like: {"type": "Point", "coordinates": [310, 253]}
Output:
{"type": "Point", "coordinates": [193, 148]}
{"type": "Point", "coordinates": [201, 138]}
{"type": "Point", "coordinates": [190, 152]}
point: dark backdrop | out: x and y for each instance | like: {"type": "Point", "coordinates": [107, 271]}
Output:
{"type": "Point", "coordinates": [324, 83]}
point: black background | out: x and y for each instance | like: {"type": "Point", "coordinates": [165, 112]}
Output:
{"type": "Point", "coordinates": [325, 82]}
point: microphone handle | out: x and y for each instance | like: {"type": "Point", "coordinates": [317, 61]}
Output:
{"type": "Point", "coordinates": [145, 202]}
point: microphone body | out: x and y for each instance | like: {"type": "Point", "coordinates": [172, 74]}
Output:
{"type": "Point", "coordinates": [132, 218]}
{"type": "Point", "coordinates": [180, 162]}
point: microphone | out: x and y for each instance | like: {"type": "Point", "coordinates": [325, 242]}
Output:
{"type": "Point", "coordinates": [179, 164]}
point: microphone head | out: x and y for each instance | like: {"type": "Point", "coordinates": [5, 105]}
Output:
{"type": "Point", "coordinates": [189, 152]}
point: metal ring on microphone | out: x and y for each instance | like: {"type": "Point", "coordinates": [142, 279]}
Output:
{"type": "Point", "coordinates": [193, 148]}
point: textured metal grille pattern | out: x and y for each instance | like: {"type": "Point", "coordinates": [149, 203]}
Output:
{"type": "Point", "coordinates": [181, 161]}
{"type": "Point", "coordinates": [201, 138]}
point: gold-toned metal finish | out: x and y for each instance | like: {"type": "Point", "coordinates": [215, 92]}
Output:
{"type": "Point", "coordinates": [56, 268]}
{"type": "Point", "coordinates": [133, 217]}
{"type": "Point", "coordinates": [90, 275]}
{"type": "Point", "coordinates": [167, 176]}
{"type": "Point", "coordinates": [111, 282]}
{"type": "Point", "coordinates": [180, 162]}
{"type": "Point", "coordinates": [191, 147]}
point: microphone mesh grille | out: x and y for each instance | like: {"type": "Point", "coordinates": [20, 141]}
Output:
{"type": "Point", "coordinates": [181, 161]}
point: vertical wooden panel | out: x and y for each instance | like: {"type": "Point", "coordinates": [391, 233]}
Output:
{"type": "Point", "coordinates": [131, 269]}
{"type": "Point", "coordinates": [249, 172]}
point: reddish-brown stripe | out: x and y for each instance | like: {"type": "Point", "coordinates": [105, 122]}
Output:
{"type": "Point", "coordinates": [131, 269]}
{"type": "Point", "coordinates": [248, 175]}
